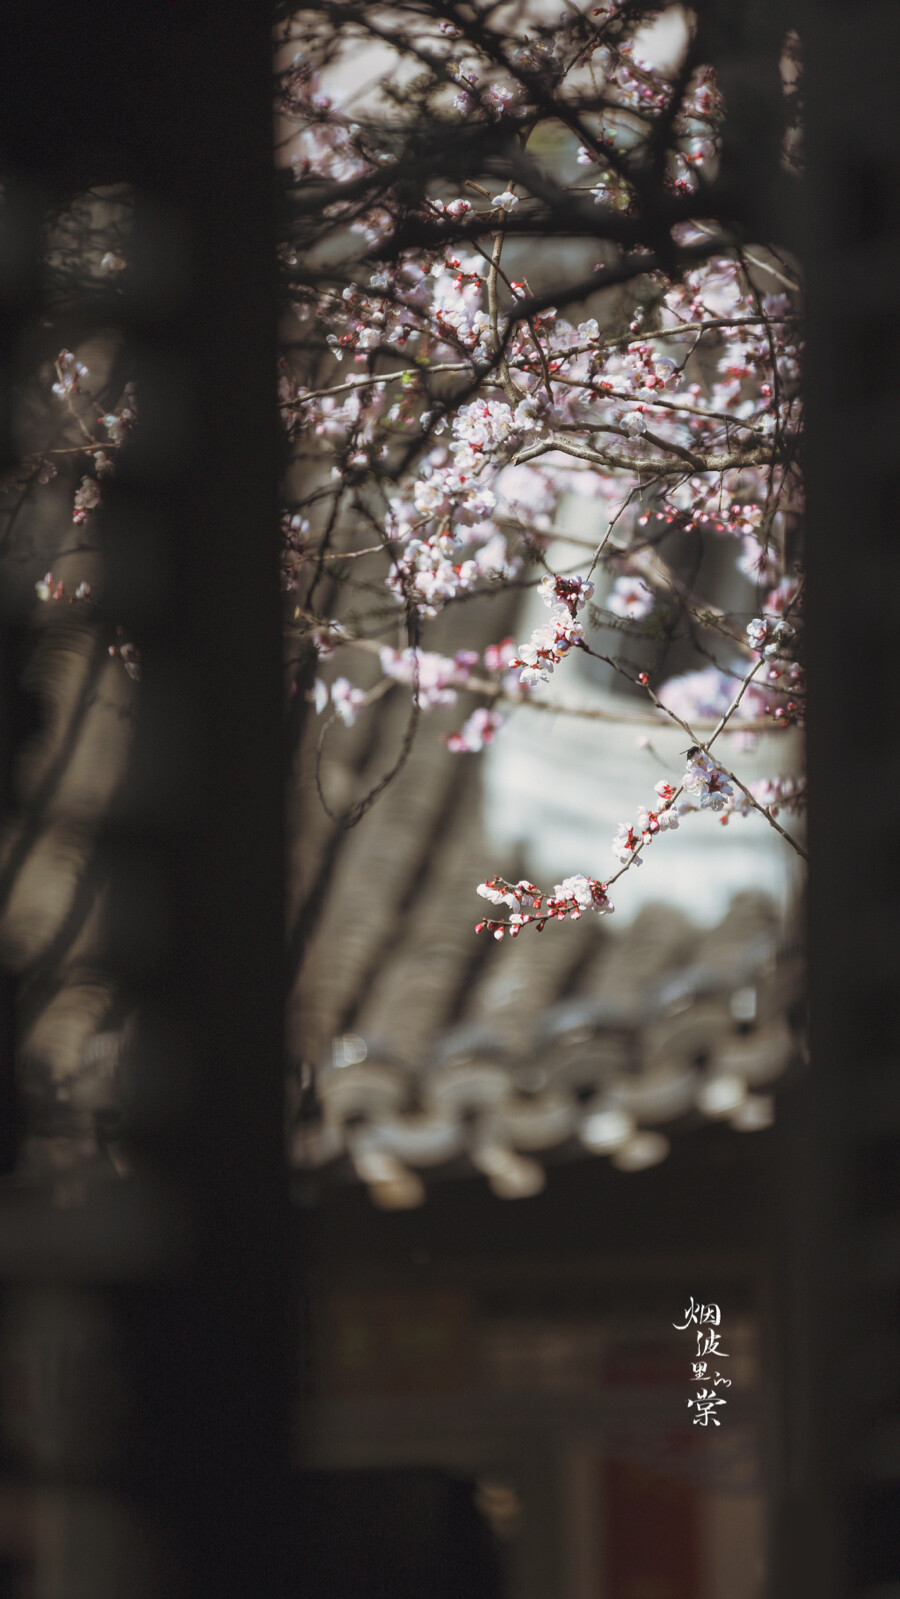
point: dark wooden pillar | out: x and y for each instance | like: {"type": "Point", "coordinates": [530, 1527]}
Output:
{"type": "Point", "coordinates": [163, 1463]}
{"type": "Point", "coordinates": [840, 1520]}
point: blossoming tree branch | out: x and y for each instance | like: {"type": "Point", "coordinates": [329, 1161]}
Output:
{"type": "Point", "coordinates": [450, 402]}
{"type": "Point", "coordinates": [520, 264]}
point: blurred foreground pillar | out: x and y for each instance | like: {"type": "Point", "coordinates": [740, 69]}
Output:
{"type": "Point", "coordinates": [840, 1522]}
{"type": "Point", "coordinates": [145, 1342]}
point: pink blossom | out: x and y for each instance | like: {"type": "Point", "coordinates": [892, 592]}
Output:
{"type": "Point", "coordinates": [497, 657]}
{"type": "Point", "coordinates": [780, 597]}
{"type": "Point", "coordinates": [476, 733]}
{"type": "Point", "coordinates": [630, 598]}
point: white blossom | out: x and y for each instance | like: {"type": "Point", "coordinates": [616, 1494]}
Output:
{"type": "Point", "coordinates": [634, 424]}
{"type": "Point", "coordinates": [705, 782]}
{"type": "Point", "coordinates": [770, 636]}
{"type": "Point", "coordinates": [70, 372]}
{"type": "Point", "coordinates": [585, 891]}
{"type": "Point", "coordinates": [495, 895]}
{"type": "Point", "coordinates": [347, 700]}
{"type": "Point", "coordinates": [625, 845]}
{"type": "Point", "coordinates": [87, 498]}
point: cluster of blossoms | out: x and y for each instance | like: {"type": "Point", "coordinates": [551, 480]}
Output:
{"type": "Point", "coordinates": [120, 423]}
{"type": "Point", "coordinates": [787, 712]}
{"type": "Point", "coordinates": [114, 428]}
{"type": "Point", "coordinates": [345, 699]}
{"type": "Point", "coordinates": [530, 907]}
{"type": "Point", "coordinates": [769, 794]}
{"type": "Point", "coordinates": [461, 544]}
{"type": "Point", "coordinates": [706, 786]}
{"type": "Point", "coordinates": [776, 697]}
{"type": "Point", "coordinates": [87, 498]}
{"type": "Point", "coordinates": [433, 678]}
{"type": "Point", "coordinates": [117, 426]}
{"type": "Point", "coordinates": [489, 103]}
{"type": "Point", "coordinates": [47, 588]}
{"type": "Point", "coordinates": [457, 412]}
{"type": "Point", "coordinates": [775, 794]}
{"type": "Point", "coordinates": [776, 641]}
{"type": "Point", "coordinates": [128, 653]}
{"type": "Point", "coordinates": [476, 733]}
{"type": "Point", "coordinates": [631, 838]}
{"type": "Point", "coordinates": [770, 638]}
{"type": "Point", "coordinates": [487, 425]}
{"type": "Point", "coordinates": [427, 573]}
{"type": "Point", "coordinates": [630, 598]}
{"type": "Point", "coordinates": [706, 783]}
{"type": "Point", "coordinates": [500, 657]}
{"type": "Point", "coordinates": [69, 373]}
{"type": "Point", "coordinates": [436, 678]}
{"type": "Point", "coordinates": [552, 641]}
